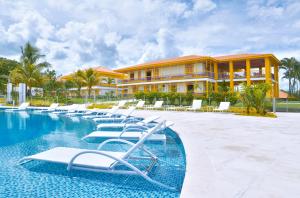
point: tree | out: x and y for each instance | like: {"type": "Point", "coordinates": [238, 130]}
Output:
{"type": "Point", "coordinates": [50, 81]}
{"type": "Point", "coordinates": [30, 69]}
{"type": "Point", "coordinates": [108, 80]}
{"type": "Point", "coordinates": [78, 80]}
{"type": "Point", "coordinates": [246, 97]}
{"type": "Point", "coordinates": [90, 78]}
{"type": "Point", "coordinates": [291, 68]}
{"type": "Point", "coordinates": [6, 66]}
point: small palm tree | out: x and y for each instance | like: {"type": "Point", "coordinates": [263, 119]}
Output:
{"type": "Point", "coordinates": [108, 80]}
{"type": "Point", "coordinates": [78, 81]}
{"type": "Point", "coordinates": [30, 69]}
{"type": "Point", "coordinates": [255, 96]}
{"type": "Point", "coordinates": [90, 78]}
{"type": "Point", "coordinates": [289, 66]}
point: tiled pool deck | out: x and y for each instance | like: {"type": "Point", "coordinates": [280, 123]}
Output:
{"type": "Point", "coordinates": [238, 156]}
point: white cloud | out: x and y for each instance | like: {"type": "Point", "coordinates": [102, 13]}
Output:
{"type": "Point", "coordinates": [204, 5]}
{"type": "Point", "coordinates": [78, 33]}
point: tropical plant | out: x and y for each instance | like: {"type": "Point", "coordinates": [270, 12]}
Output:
{"type": "Point", "coordinates": [291, 69]}
{"type": "Point", "coordinates": [51, 83]}
{"type": "Point", "coordinates": [6, 66]}
{"type": "Point", "coordinates": [108, 80]}
{"type": "Point", "coordinates": [255, 96]}
{"type": "Point", "coordinates": [78, 81]}
{"type": "Point", "coordinates": [90, 78]}
{"type": "Point", "coordinates": [30, 69]}
{"type": "Point", "coordinates": [246, 97]}
{"type": "Point", "coordinates": [224, 94]}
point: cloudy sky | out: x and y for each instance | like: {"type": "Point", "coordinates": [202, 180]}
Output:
{"type": "Point", "coordinates": [114, 33]}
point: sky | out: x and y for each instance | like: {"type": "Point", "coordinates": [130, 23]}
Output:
{"type": "Point", "coordinates": [77, 34]}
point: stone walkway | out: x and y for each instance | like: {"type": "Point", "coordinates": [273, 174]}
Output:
{"type": "Point", "coordinates": [238, 156]}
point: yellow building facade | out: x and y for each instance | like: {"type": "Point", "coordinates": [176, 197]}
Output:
{"type": "Point", "coordinates": [199, 74]}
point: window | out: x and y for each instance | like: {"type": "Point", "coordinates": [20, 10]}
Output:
{"type": "Point", "coordinates": [190, 88]}
{"type": "Point", "coordinates": [132, 76]}
{"type": "Point", "coordinates": [148, 75]}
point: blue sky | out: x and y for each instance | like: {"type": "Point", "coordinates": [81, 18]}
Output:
{"type": "Point", "coordinates": [75, 34]}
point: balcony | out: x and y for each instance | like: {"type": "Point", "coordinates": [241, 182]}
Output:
{"type": "Point", "coordinates": [239, 75]}
{"type": "Point", "coordinates": [257, 75]}
{"type": "Point", "coordinates": [173, 77]}
{"type": "Point", "coordinates": [224, 76]}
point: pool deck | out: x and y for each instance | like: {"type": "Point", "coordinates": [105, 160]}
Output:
{"type": "Point", "coordinates": [238, 156]}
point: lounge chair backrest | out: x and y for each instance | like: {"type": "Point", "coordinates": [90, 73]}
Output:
{"type": "Point", "coordinates": [158, 104]}
{"type": "Point", "coordinates": [144, 138]}
{"type": "Point", "coordinates": [53, 106]}
{"type": "Point", "coordinates": [140, 104]}
{"type": "Point", "coordinates": [149, 119]}
{"type": "Point", "coordinates": [113, 110]}
{"type": "Point", "coordinates": [24, 105]}
{"type": "Point", "coordinates": [81, 107]}
{"type": "Point", "coordinates": [130, 110]}
{"type": "Point", "coordinates": [122, 103]}
{"type": "Point", "coordinates": [224, 105]}
{"type": "Point", "coordinates": [196, 104]}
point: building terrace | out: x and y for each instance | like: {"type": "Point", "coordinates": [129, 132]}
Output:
{"type": "Point", "coordinates": [196, 73]}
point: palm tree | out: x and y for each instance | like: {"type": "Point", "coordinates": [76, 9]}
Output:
{"type": "Point", "coordinates": [77, 79]}
{"type": "Point", "coordinates": [289, 66]}
{"type": "Point", "coordinates": [108, 80]}
{"type": "Point", "coordinates": [30, 69]}
{"type": "Point", "coordinates": [90, 78]}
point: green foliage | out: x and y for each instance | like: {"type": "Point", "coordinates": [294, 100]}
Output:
{"type": "Point", "coordinates": [90, 78]}
{"type": "Point", "coordinates": [224, 94]}
{"type": "Point", "coordinates": [50, 81]}
{"type": "Point", "coordinates": [6, 66]}
{"type": "Point", "coordinates": [254, 96]}
{"type": "Point", "coordinates": [77, 81]}
{"type": "Point", "coordinates": [291, 68]}
{"type": "Point", "coordinates": [30, 70]}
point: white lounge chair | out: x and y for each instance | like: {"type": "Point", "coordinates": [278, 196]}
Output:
{"type": "Point", "coordinates": [121, 103]}
{"type": "Point", "coordinates": [157, 105]}
{"type": "Point", "coordinates": [102, 160]}
{"type": "Point", "coordinates": [22, 107]}
{"type": "Point", "coordinates": [100, 114]}
{"type": "Point", "coordinates": [140, 104]}
{"type": "Point", "coordinates": [66, 109]}
{"type": "Point", "coordinates": [122, 125]}
{"type": "Point", "coordinates": [195, 106]}
{"type": "Point", "coordinates": [81, 109]}
{"type": "Point", "coordinates": [115, 117]}
{"type": "Point", "coordinates": [51, 108]}
{"type": "Point", "coordinates": [132, 133]}
{"type": "Point", "coordinates": [224, 106]}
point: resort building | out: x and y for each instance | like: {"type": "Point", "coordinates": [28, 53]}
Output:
{"type": "Point", "coordinates": [199, 74]}
{"type": "Point", "coordinates": [108, 82]}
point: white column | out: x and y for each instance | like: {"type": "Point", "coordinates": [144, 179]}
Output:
{"type": "Point", "coordinates": [9, 90]}
{"type": "Point", "coordinates": [22, 93]}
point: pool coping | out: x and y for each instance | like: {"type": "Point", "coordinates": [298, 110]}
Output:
{"type": "Point", "coordinates": [198, 164]}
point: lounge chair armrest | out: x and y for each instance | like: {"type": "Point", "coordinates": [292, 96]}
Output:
{"type": "Point", "coordinates": [121, 161]}
{"type": "Point", "coordinates": [126, 142]}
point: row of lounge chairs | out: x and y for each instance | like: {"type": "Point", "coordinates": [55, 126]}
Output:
{"type": "Point", "coordinates": [80, 109]}
{"type": "Point", "coordinates": [128, 130]}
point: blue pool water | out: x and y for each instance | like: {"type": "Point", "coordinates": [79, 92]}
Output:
{"type": "Point", "coordinates": [24, 133]}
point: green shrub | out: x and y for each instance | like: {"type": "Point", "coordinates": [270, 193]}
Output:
{"type": "Point", "coordinates": [254, 96]}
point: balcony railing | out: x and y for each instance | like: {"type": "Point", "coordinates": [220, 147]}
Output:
{"type": "Point", "coordinates": [172, 77]}
{"type": "Point", "coordinates": [224, 76]}
{"type": "Point", "coordinates": [239, 75]}
{"type": "Point", "coordinates": [257, 75]}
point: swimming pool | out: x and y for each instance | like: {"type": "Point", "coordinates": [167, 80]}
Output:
{"type": "Point", "coordinates": [27, 133]}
